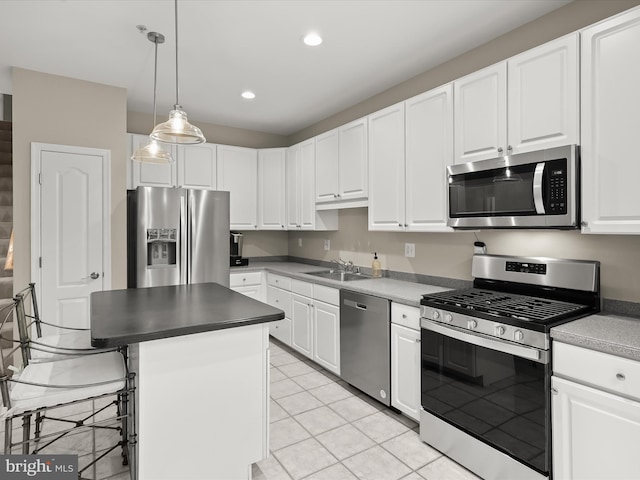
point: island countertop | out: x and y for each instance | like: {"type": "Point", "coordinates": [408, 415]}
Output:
{"type": "Point", "coordinates": [122, 317]}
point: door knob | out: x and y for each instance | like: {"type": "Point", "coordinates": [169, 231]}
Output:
{"type": "Point", "coordinates": [94, 275]}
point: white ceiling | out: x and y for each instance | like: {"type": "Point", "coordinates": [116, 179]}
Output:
{"type": "Point", "coordinates": [226, 47]}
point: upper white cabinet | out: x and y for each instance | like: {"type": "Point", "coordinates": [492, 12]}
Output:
{"type": "Point", "coordinates": [341, 166]}
{"type": "Point", "coordinates": [197, 166]}
{"type": "Point", "coordinates": [300, 191]}
{"type": "Point", "coordinates": [428, 151]}
{"type": "Point", "coordinates": [410, 146]}
{"type": "Point", "coordinates": [481, 114]}
{"type": "Point", "coordinates": [238, 174]}
{"type": "Point", "coordinates": [386, 169]}
{"type": "Point", "coordinates": [150, 174]}
{"type": "Point", "coordinates": [194, 166]}
{"type": "Point", "coordinates": [271, 189]}
{"type": "Point", "coordinates": [526, 103]}
{"type": "Point", "coordinates": [327, 153]}
{"type": "Point", "coordinates": [610, 106]}
{"type": "Point", "coordinates": [543, 96]}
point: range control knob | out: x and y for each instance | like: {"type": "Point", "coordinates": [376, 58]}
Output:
{"type": "Point", "coordinates": [500, 330]}
{"type": "Point", "coordinates": [448, 317]}
{"type": "Point", "coordinates": [435, 314]}
{"type": "Point", "coordinates": [518, 335]}
{"type": "Point", "coordinates": [471, 324]}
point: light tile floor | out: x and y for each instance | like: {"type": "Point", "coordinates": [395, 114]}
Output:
{"type": "Point", "coordinates": [324, 429]}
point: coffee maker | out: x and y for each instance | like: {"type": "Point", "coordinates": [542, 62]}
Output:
{"type": "Point", "coordinates": [235, 247]}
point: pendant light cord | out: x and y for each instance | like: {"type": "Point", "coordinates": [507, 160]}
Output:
{"type": "Point", "coordinates": [176, 19]}
{"type": "Point", "coordinates": [155, 79]}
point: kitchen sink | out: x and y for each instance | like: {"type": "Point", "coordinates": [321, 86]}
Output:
{"type": "Point", "coordinates": [338, 275]}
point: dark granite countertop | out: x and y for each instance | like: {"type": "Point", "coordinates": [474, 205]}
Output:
{"type": "Point", "coordinates": [122, 317]}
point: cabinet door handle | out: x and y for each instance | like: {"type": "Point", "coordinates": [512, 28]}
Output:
{"type": "Point", "coordinates": [417, 340]}
{"type": "Point", "coordinates": [404, 315]}
{"type": "Point", "coordinates": [499, 149]}
{"type": "Point", "coordinates": [620, 376]}
{"type": "Point", "coordinates": [554, 390]}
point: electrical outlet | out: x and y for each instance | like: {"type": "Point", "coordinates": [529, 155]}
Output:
{"type": "Point", "coordinates": [299, 242]}
{"type": "Point", "coordinates": [410, 250]}
{"type": "Point", "coordinates": [327, 245]}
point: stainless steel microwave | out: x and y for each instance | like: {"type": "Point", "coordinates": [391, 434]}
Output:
{"type": "Point", "coordinates": [528, 190]}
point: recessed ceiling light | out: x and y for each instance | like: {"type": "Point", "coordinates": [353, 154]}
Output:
{"type": "Point", "coordinates": [248, 95]}
{"type": "Point", "coordinates": [312, 39]}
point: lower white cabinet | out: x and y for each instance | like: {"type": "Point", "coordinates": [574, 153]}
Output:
{"type": "Point", "coordinates": [248, 283]}
{"type": "Point", "coordinates": [596, 431]}
{"type": "Point", "coordinates": [326, 328]}
{"type": "Point", "coordinates": [405, 360]}
{"type": "Point", "coordinates": [302, 324]}
{"type": "Point", "coordinates": [280, 298]}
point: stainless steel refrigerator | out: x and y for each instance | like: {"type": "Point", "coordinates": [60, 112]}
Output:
{"type": "Point", "coordinates": [177, 236]}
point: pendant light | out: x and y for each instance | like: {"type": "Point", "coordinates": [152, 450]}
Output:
{"type": "Point", "coordinates": [177, 129]}
{"type": "Point", "coordinates": [153, 152]}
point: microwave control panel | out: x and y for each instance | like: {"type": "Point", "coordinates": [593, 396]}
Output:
{"type": "Point", "coordinates": [556, 199]}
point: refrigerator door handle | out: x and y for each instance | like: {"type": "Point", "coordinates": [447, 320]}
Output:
{"type": "Point", "coordinates": [184, 273]}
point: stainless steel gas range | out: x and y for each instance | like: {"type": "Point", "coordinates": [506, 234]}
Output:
{"type": "Point", "coordinates": [486, 361]}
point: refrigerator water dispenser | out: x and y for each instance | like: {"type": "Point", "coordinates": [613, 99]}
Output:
{"type": "Point", "coordinates": [161, 247]}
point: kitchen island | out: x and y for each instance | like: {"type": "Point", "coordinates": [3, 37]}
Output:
{"type": "Point", "coordinates": [201, 357]}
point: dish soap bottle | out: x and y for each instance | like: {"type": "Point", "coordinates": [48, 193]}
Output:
{"type": "Point", "coordinates": [376, 268]}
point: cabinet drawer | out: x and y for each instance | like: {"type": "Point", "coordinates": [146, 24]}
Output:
{"type": "Point", "coordinates": [302, 288]}
{"type": "Point", "coordinates": [279, 298]}
{"type": "Point", "coordinates": [326, 294]}
{"type": "Point", "coordinates": [279, 281]}
{"type": "Point", "coordinates": [281, 330]}
{"type": "Point", "coordinates": [245, 278]}
{"type": "Point", "coordinates": [602, 370]}
{"type": "Point", "coordinates": [405, 315]}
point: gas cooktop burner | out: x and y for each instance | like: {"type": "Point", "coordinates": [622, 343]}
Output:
{"type": "Point", "coordinates": [500, 304]}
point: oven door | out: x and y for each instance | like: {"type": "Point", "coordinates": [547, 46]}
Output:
{"type": "Point", "coordinates": [495, 391]}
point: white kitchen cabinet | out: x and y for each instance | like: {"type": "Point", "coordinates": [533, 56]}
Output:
{"type": "Point", "coordinates": [300, 186]}
{"type": "Point", "coordinates": [525, 103]}
{"type": "Point", "coordinates": [428, 152]}
{"type": "Point", "coordinates": [150, 174]}
{"type": "Point", "coordinates": [543, 91]}
{"type": "Point", "coordinates": [247, 283]}
{"type": "Point", "coordinates": [386, 169]}
{"type": "Point", "coordinates": [194, 166]}
{"type": "Point", "coordinates": [342, 167]}
{"type": "Point", "coordinates": [595, 406]}
{"type": "Point", "coordinates": [326, 328]}
{"type": "Point", "coordinates": [480, 104]}
{"type": "Point", "coordinates": [410, 146]}
{"type": "Point", "coordinates": [302, 324]}
{"type": "Point", "coordinates": [327, 166]}
{"type": "Point", "coordinates": [610, 104]}
{"type": "Point", "coordinates": [238, 174]}
{"type": "Point", "coordinates": [271, 189]}
{"type": "Point", "coordinates": [279, 296]}
{"type": "Point", "coordinates": [405, 359]}
{"type": "Point", "coordinates": [197, 165]}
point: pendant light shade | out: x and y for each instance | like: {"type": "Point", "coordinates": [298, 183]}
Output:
{"type": "Point", "coordinates": [153, 152]}
{"type": "Point", "coordinates": [177, 129]}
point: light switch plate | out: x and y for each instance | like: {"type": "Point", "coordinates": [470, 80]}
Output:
{"type": "Point", "coordinates": [327, 245]}
{"type": "Point", "coordinates": [410, 250]}
{"type": "Point", "coordinates": [299, 242]}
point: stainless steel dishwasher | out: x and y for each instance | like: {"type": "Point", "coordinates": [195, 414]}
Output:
{"type": "Point", "coordinates": [365, 358]}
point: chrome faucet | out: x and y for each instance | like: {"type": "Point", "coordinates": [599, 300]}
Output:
{"type": "Point", "coordinates": [344, 266]}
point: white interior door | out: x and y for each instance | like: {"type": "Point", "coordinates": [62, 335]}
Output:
{"type": "Point", "coordinates": [70, 232]}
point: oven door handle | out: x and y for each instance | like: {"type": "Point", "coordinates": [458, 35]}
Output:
{"type": "Point", "coordinates": [451, 331]}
